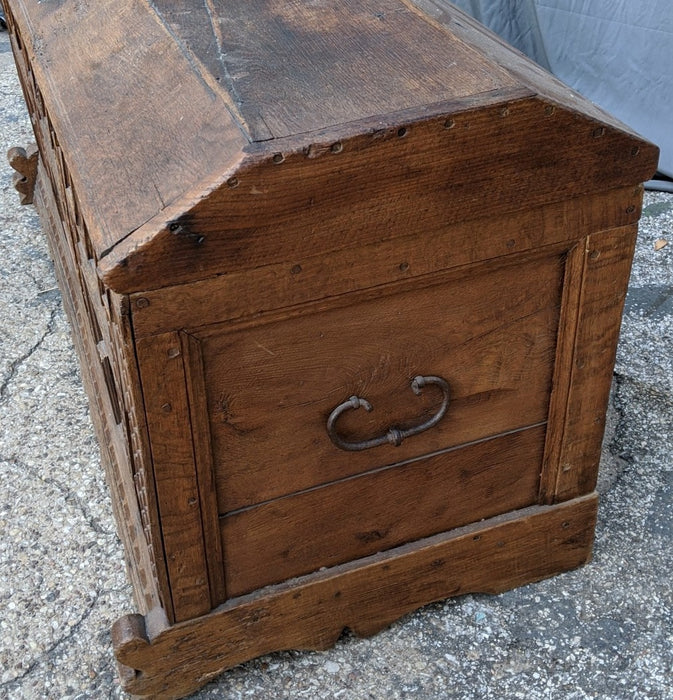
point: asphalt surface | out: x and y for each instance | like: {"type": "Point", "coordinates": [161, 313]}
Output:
{"type": "Point", "coordinates": [603, 631]}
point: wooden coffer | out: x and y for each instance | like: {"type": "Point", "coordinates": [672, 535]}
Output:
{"type": "Point", "coordinates": [346, 281]}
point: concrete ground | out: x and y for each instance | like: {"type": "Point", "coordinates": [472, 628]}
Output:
{"type": "Point", "coordinates": [604, 631]}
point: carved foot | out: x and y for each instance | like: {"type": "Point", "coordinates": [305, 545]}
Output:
{"type": "Point", "coordinates": [24, 161]}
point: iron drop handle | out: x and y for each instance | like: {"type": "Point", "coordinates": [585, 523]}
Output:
{"type": "Point", "coordinates": [393, 436]}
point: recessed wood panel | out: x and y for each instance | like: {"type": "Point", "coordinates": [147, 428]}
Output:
{"type": "Point", "coordinates": [374, 512]}
{"type": "Point", "coordinates": [490, 333]}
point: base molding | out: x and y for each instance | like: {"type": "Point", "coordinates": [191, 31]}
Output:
{"type": "Point", "coordinates": [164, 661]}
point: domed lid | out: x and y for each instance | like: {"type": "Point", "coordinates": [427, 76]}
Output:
{"type": "Point", "coordinates": [201, 136]}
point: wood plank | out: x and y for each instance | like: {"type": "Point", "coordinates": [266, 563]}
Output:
{"type": "Point", "coordinates": [607, 268]}
{"type": "Point", "coordinates": [563, 364]}
{"type": "Point", "coordinates": [374, 512]}
{"type": "Point", "coordinates": [244, 293]}
{"type": "Point", "coordinates": [298, 67]}
{"type": "Point", "coordinates": [135, 138]}
{"type": "Point", "coordinates": [203, 461]}
{"type": "Point", "coordinates": [490, 331]}
{"type": "Point", "coordinates": [162, 373]}
{"type": "Point", "coordinates": [135, 445]}
{"type": "Point", "coordinates": [399, 175]}
{"type": "Point", "coordinates": [365, 596]}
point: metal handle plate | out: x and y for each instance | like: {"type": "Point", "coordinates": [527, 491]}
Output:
{"type": "Point", "coordinates": [393, 436]}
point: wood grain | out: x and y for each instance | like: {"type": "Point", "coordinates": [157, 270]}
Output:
{"type": "Point", "coordinates": [489, 330]}
{"type": "Point", "coordinates": [348, 60]}
{"type": "Point", "coordinates": [563, 364]}
{"type": "Point", "coordinates": [377, 187]}
{"type": "Point", "coordinates": [249, 292]}
{"type": "Point", "coordinates": [353, 518]}
{"type": "Point", "coordinates": [606, 274]}
{"type": "Point", "coordinates": [163, 378]}
{"type": "Point", "coordinates": [364, 596]}
{"type": "Point", "coordinates": [203, 462]}
{"type": "Point", "coordinates": [135, 138]}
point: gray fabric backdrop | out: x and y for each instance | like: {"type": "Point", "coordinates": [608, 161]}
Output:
{"type": "Point", "coordinates": [618, 53]}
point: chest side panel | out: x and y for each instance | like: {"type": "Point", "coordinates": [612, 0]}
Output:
{"type": "Point", "coordinates": [268, 387]}
{"type": "Point", "coordinates": [280, 499]}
